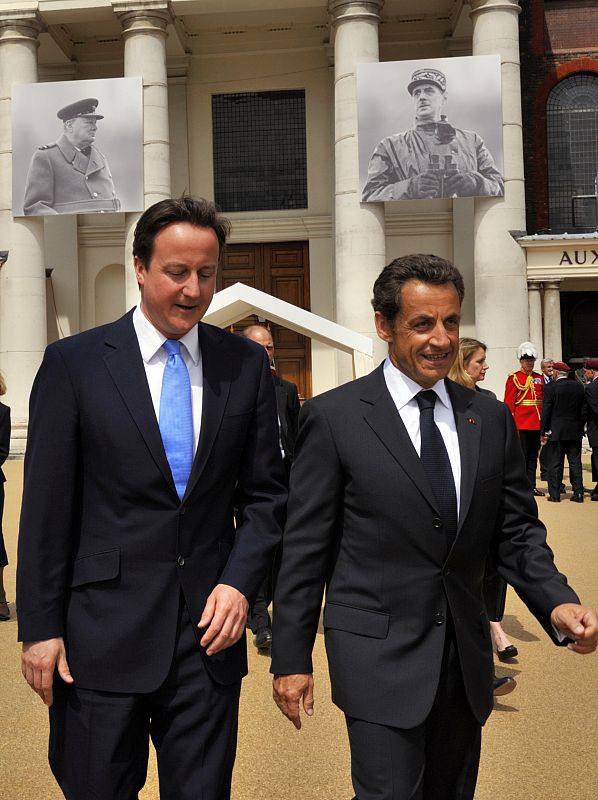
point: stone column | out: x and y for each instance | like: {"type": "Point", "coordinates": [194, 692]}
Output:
{"type": "Point", "coordinates": [553, 344]}
{"type": "Point", "coordinates": [23, 277]}
{"type": "Point", "coordinates": [144, 32]}
{"type": "Point", "coordinates": [360, 246]}
{"type": "Point", "coordinates": [534, 299]}
{"type": "Point", "coordinates": [502, 319]}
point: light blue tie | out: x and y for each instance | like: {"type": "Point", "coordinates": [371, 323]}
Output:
{"type": "Point", "coordinates": [176, 416]}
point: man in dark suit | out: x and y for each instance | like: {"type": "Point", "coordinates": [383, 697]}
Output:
{"type": "Point", "coordinates": [288, 407]}
{"type": "Point", "coordinates": [591, 415]}
{"type": "Point", "coordinates": [561, 428]}
{"type": "Point", "coordinates": [403, 484]}
{"type": "Point", "coordinates": [145, 437]}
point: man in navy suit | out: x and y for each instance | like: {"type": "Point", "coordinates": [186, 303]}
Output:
{"type": "Point", "coordinates": [133, 587]}
{"type": "Point", "coordinates": [394, 509]}
{"type": "Point", "coordinates": [561, 426]}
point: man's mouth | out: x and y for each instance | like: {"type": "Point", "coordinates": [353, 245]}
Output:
{"type": "Point", "coordinates": [435, 357]}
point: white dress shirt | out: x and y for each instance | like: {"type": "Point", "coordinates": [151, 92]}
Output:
{"type": "Point", "coordinates": [403, 390]}
{"type": "Point", "coordinates": [154, 358]}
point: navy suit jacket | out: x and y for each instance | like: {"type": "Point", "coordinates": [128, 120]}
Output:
{"type": "Point", "coordinates": [363, 524]}
{"type": "Point", "coordinates": [563, 410]}
{"type": "Point", "coordinates": [106, 546]}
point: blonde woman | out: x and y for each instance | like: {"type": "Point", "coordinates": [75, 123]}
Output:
{"type": "Point", "coordinates": [470, 369]}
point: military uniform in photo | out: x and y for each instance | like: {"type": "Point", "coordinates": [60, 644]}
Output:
{"type": "Point", "coordinates": [431, 146]}
{"type": "Point", "coordinates": [65, 179]}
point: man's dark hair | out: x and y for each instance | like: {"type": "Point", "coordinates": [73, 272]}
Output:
{"type": "Point", "coordinates": [425, 268]}
{"type": "Point", "coordinates": [195, 211]}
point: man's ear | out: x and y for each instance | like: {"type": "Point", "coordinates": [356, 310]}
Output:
{"type": "Point", "coordinates": [140, 270]}
{"type": "Point", "coordinates": [383, 327]}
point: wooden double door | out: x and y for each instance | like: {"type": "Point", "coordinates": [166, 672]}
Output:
{"type": "Point", "coordinates": [282, 270]}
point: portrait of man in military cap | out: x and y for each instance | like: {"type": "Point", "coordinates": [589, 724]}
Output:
{"type": "Point", "coordinates": [72, 173]}
{"type": "Point", "coordinates": [433, 158]}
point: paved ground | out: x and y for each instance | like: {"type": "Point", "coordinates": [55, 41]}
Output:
{"type": "Point", "coordinates": [541, 743]}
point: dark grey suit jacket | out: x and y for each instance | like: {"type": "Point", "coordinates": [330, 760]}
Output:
{"type": "Point", "coordinates": [363, 523]}
{"type": "Point", "coordinates": [563, 410]}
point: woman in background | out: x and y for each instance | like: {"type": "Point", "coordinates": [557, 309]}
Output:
{"type": "Point", "coordinates": [4, 448]}
{"type": "Point", "coordinates": [469, 369]}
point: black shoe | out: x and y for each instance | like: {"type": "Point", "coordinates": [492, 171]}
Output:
{"type": "Point", "coordinates": [577, 497]}
{"type": "Point", "coordinates": [508, 653]}
{"type": "Point", "coordinates": [539, 493]}
{"type": "Point", "coordinates": [594, 496]}
{"type": "Point", "coordinates": [554, 499]}
{"type": "Point", "coordinates": [503, 686]}
{"type": "Point", "coordinates": [263, 640]}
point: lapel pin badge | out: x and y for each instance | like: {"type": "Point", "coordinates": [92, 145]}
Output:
{"type": "Point", "coordinates": [471, 421]}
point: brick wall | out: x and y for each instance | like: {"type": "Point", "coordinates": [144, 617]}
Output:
{"type": "Point", "coordinates": [558, 38]}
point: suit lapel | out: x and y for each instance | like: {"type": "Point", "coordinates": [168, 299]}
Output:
{"type": "Point", "coordinates": [381, 414]}
{"type": "Point", "coordinates": [469, 433]}
{"type": "Point", "coordinates": [125, 364]}
{"type": "Point", "coordinates": [216, 387]}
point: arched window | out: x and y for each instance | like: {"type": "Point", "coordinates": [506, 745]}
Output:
{"type": "Point", "coordinates": [572, 123]}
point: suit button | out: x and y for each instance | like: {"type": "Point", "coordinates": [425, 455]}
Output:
{"type": "Point", "coordinates": [182, 510]}
{"type": "Point", "coordinates": [87, 177]}
{"type": "Point", "coordinates": [437, 522]}
{"type": "Point", "coordinates": [95, 194]}
{"type": "Point", "coordinates": [180, 561]}
{"type": "Point", "coordinates": [439, 618]}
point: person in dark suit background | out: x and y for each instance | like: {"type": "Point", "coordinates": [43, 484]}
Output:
{"type": "Point", "coordinates": [561, 428]}
{"type": "Point", "coordinates": [288, 407]}
{"type": "Point", "coordinates": [4, 451]}
{"type": "Point", "coordinates": [146, 437]}
{"type": "Point", "coordinates": [394, 511]}
{"type": "Point", "coordinates": [547, 367]}
{"type": "Point", "coordinates": [591, 415]}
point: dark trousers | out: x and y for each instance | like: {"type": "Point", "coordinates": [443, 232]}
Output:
{"type": "Point", "coordinates": [437, 760]}
{"type": "Point", "coordinates": [595, 468]}
{"type": "Point", "coordinates": [556, 463]}
{"type": "Point", "coordinates": [3, 556]}
{"type": "Point", "coordinates": [530, 444]}
{"type": "Point", "coordinates": [99, 741]}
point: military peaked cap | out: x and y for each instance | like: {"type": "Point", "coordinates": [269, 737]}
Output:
{"type": "Point", "coordinates": [427, 75]}
{"type": "Point", "coordinates": [82, 108]}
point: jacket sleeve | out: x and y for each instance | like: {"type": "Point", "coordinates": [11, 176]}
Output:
{"type": "Point", "coordinates": [313, 524]}
{"type": "Point", "coordinates": [4, 434]}
{"type": "Point", "coordinates": [547, 406]}
{"type": "Point", "coordinates": [51, 490]}
{"type": "Point", "coordinates": [260, 494]}
{"type": "Point", "coordinates": [510, 394]}
{"type": "Point", "coordinates": [522, 554]}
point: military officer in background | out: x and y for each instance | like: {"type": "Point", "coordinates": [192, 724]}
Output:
{"type": "Point", "coordinates": [433, 159]}
{"type": "Point", "coordinates": [70, 175]}
{"type": "Point", "coordinates": [524, 391]}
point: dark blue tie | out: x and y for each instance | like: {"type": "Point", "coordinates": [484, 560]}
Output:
{"type": "Point", "coordinates": [176, 416]}
{"type": "Point", "coordinates": [437, 465]}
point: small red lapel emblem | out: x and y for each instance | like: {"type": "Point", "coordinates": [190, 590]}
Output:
{"type": "Point", "coordinates": [471, 420]}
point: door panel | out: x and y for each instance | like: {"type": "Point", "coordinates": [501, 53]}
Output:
{"type": "Point", "coordinates": [282, 270]}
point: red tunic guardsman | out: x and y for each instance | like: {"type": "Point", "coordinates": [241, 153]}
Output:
{"type": "Point", "coordinates": [524, 391]}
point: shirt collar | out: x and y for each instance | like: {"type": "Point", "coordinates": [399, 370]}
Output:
{"type": "Point", "coordinates": [404, 389]}
{"type": "Point", "coordinates": [151, 340]}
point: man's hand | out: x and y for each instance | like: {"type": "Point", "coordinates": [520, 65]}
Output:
{"type": "Point", "coordinates": [463, 184]}
{"type": "Point", "coordinates": [226, 614]}
{"type": "Point", "coordinates": [425, 185]}
{"type": "Point", "coordinates": [579, 623]}
{"type": "Point", "coordinates": [38, 662]}
{"type": "Point", "coordinates": [288, 691]}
